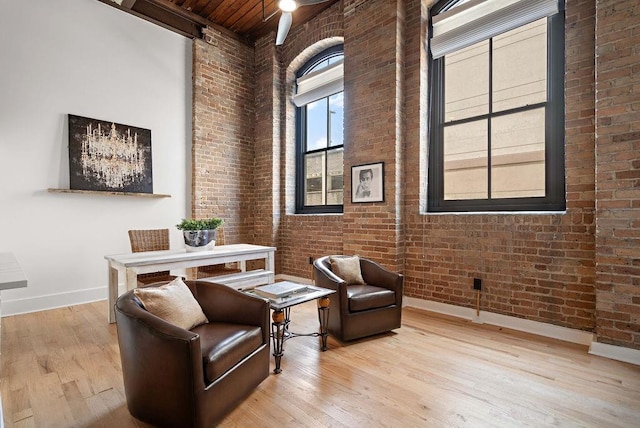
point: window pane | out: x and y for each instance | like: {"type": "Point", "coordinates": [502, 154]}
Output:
{"type": "Point", "coordinates": [314, 179]}
{"type": "Point", "coordinates": [324, 63]}
{"type": "Point", "coordinates": [336, 58]}
{"type": "Point", "coordinates": [456, 4]}
{"type": "Point", "coordinates": [517, 155]}
{"type": "Point", "coordinates": [317, 125]}
{"type": "Point", "coordinates": [335, 177]}
{"type": "Point", "coordinates": [465, 161]}
{"type": "Point", "coordinates": [466, 77]}
{"type": "Point", "coordinates": [318, 66]}
{"type": "Point", "coordinates": [520, 66]}
{"type": "Point", "coordinates": [336, 119]}
{"type": "Point", "coordinates": [320, 137]}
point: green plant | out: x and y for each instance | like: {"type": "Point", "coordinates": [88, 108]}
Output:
{"type": "Point", "coordinates": [206, 224]}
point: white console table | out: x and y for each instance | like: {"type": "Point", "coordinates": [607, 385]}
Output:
{"type": "Point", "coordinates": [128, 266]}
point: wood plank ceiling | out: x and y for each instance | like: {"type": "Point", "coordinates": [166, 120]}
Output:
{"type": "Point", "coordinates": [249, 19]}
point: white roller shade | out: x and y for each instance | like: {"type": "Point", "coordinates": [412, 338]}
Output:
{"type": "Point", "coordinates": [320, 84]}
{"type": "Point", "coordinates": [480, 20]}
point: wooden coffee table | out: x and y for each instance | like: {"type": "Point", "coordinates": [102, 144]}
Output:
{"type": "Point", "coordinates": [281, 318]}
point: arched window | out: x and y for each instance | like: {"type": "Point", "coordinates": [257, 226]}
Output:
{"type": "Point", "coordinates": [319, 100]}
{"type": "Point", "coordinates": [497, 106]}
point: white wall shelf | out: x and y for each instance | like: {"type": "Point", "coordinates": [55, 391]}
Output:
{"type": "Point", "coordinates": [97, 192]}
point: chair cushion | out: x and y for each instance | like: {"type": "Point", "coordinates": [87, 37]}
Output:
{"type": "Point", "coordinates": [224, 345]}
{"type": "Point", "coordinates": [174, 303]}
{"type": "Point", "coordinates": [363, 297]}
{"type": "Point", "coordinates": [347, 268]}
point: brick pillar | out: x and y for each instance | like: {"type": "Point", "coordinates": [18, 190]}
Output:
{"type": "Point", "coordinates": [373, 41]}
{"type": "Point", "coordinates": [618, 173]}
{"type": "Point", "coordinates": [267, 172]}
{"type": "Point", "coordinates": [223, 132]}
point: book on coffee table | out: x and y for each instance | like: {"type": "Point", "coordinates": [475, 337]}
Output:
{"type": "Point", "coordinates": [279, 290]}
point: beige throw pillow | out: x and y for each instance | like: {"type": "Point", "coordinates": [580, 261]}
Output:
{"type": "Point", "coordinates": [174, 303]}
{"type": "Point", "coordinates": [347, 268]}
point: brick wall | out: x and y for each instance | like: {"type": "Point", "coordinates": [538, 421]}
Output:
{"type": "Point", "coordinates": [373, 40]}
{"type": "Point", "coordinates": [223, 150]}
{"type": "Point", "coordinates": [618, 178]}
{"type": "Point", "coordinates": [266, 210]}
{"type": "Point", "coordinates": [536, 266]}
{"type": "Point", "coordinates": [308, 236]}
{"type": "Point", "coordinates": [539, 267]}
{"type": "Point", "coordinates": [297, 237]}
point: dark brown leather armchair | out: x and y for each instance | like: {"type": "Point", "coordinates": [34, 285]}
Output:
{"type": "Point", "coordinates": [193, 378]}
{"type": "Point", "coordinates": [361, 310]}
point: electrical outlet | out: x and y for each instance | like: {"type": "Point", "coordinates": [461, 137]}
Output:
{"type": "Point", "coordinates": [310, 260]}
{"type": "Point", "coordinates": [477, 284]}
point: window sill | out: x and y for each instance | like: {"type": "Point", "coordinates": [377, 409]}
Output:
{"type": "Point", "coordinates": [496, 213]}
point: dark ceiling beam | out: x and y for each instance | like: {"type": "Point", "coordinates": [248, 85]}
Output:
{"type": "Point", "coordinates": [168, 19]}
{"type": "Point", "coordinates": [195, 18]}
{"type": "Point", "coordinates": [172, 17]}
{"type": "Point", "coordinates": [178, 10]}
{"type": "Point", "coordinates": [243, 21]}
{"type": "Point", "coordinates": [127, 3]}
{"type": "Point", "coordinates": [141, 9]}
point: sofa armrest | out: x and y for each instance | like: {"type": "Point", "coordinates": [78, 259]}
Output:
{"type": "Point", "coordinates": [324, 277]}
{"type": "Point", "coordinates": [221, 303]}
{"type": "Point", "coordinates": [375, 274]}
{"type": "Point", "coordinates": [156, 356]}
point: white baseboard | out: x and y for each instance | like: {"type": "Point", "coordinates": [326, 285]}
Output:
{"type": "Point", "coordinates": [52, 301]}
{"type": "Point", "coordinates": [440, 308]}
{"type": "Point", "coordinates": [619, 353]}
{"type": "Point", "coordinates": [528, 326]}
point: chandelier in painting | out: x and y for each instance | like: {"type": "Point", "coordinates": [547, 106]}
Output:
{"type": "Point", "coordinates": [109, 156]}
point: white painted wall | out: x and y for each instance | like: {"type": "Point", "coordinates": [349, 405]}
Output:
{"type": "Point", "coordinates": [85, 58]}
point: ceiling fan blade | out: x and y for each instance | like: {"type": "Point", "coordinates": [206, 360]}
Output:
{"type": "Point", "coordinates": [283, 27]}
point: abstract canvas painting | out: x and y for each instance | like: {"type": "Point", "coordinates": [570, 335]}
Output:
{"type": "Point", "coordinates": [108, 156]}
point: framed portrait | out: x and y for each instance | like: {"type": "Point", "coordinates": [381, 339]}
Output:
{"type": "Point", "coordinates": [367, 183]}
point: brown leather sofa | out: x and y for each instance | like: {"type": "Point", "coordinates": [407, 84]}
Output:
{"type": "Point", "coordinates": [180, 378]}
{"type": "Point", "coordinates": [358, 311]}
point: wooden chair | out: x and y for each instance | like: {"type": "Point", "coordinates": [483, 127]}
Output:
{"type": "Point", "coordinates": [150, 240]}
{"type": "Point", "coordinates": [216, 270]}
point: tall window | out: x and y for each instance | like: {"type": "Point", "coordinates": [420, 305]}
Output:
{"type": "Point", "coordinates": [497, 106]}
{"type": "Point", "coordinates": [319, 134]}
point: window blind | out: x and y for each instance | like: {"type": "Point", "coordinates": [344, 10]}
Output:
{"type": "Point", "coordinates": [320, 84]}
{"type": "Point", "coordinates": [480, 20]}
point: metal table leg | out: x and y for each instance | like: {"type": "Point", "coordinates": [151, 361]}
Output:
{"type": "Point", "coordinates": [323, 319]}
{"type": "Point", "coordinates": [277, 334]}
{"type": "Point", "coordinates": [280, 329]}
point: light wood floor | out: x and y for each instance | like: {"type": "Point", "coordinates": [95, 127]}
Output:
{"type": "Point", "coordinates": [61, 368]}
